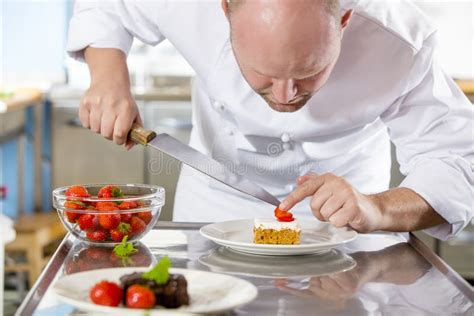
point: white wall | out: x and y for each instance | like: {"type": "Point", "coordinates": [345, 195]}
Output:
{"type": "Point", "coordinates": [455, 22]}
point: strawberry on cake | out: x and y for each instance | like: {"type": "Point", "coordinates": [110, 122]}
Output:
{"type": "Point", "coordinates": [282, 230]}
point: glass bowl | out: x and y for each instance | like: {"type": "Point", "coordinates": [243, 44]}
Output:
{"type": "Point", "coordinates": [106, 220]}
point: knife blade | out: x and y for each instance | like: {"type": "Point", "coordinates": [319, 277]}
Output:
{"type": "Point", "coordinates": [205, 164]}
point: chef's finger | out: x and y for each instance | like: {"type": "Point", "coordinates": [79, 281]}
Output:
{"type": "Point", "coordinates": [318, 200]}
{"type": "Point", "coordinates": [330, 206]}
{"type": "Point", "coordinates": [310, 175]}
{"type": "Point", "coordinates": [342, 217]}
{"type": "Point", "coordinates": [94, 119]}
{"type": "Point", "coordinates": [130, 143]}
{"type": "Point", "coordinates": [302, 179]}
{"type": "Point", "coordinates": [123, 124]}
{"type": "Point", "coordinates": [301, 192]}
{"type": "Point", "coordinates": [107, 125]}
{"type": "Point", "coordinates": [84, 113]}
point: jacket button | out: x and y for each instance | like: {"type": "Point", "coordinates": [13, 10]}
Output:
{"type": "Point", "coordinates": [218, 105]}
{"type": "Point", "coordinates": [285, 137]}
{"type": "Point", "coordinates": [228, 130]}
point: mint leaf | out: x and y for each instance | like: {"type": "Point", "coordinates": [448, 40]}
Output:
{"type": "Point", "coordinates": [159, 273]}
{"type": "Point", "coordinates": [124, 249]}
{"type": "Point", "coordinates": [116, 192]}
{"type": "Point", "coordinates": [124, 228]}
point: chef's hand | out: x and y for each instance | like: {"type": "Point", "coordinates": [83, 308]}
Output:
{"type": "Point", "coordinates": [335, 200]}
{"type": "Point", "coordinates": [108, 107]}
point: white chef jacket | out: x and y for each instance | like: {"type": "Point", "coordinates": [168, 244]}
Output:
{"type": "Point", "coordinates": [386, 85]}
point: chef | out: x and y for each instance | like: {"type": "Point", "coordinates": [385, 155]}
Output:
{"type": "Point", "coordinates": [301, 97]}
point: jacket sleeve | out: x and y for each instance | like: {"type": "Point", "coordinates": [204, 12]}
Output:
{"type": "Point", "coordinates": [112, 24]}
{"type": "Point", "coordinates": [431, 125]}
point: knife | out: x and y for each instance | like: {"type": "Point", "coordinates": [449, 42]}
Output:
{"type": "Point", "coordinates": [193, 158]}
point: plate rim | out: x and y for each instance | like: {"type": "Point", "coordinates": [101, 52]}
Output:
{"type": "Point", "coordinates": [109, 309]}
{"type": "Point", "coordinates": [229, 243]}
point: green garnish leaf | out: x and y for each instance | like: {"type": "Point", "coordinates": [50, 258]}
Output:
{"type": "Point", "coordinates": [124, 228]}
{"type": "Point", "coordinates": [124, 249]}
{"type": "Point", "coordinates": [159, 273]}
{"type": "Point", "coordinates": [116, 192]}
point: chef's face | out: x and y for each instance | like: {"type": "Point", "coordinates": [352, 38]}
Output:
{"type": "Point", "coordinates": [286, 52]}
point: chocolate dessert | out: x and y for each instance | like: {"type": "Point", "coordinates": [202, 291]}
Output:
{"type": "Point", "coordinates": [172, 294]}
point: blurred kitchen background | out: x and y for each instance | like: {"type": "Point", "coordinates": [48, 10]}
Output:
{"type": "Point", "coordinates": [43, 146]}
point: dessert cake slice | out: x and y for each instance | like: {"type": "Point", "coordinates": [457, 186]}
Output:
{"type": "Point", "coordinates": [272, 231]}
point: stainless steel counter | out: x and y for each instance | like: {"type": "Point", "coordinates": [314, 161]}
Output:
{"type": "Point", "coordinates": [377, 274]}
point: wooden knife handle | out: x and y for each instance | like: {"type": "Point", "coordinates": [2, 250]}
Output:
{"type": "Point", "coordinates": [141, 135]}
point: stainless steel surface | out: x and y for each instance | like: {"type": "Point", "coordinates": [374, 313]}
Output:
{"type": "Point", "coordinates": [210, 167]}
{"type": "Point", "coordinates": [391, 276]}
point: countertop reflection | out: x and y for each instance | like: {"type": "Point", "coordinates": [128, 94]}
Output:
{"type": "Point", "coordinates": [377, 274]}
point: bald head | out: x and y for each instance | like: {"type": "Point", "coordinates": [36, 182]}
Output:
{"type": "Point", "coordinates": [285, 47]}
{"type": "Point", "coordinates": [331, 6]}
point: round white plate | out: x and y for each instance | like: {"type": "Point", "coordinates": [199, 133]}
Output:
{"type": "Point", "coordinates": [315, 237]}
{"type": "Point", "coordinates": [225, 260]}
{"type": "Point", "coordinates": [209, 292]}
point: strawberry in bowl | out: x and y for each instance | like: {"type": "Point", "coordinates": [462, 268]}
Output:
{"type": "Point", "coordinates": [105, 214]}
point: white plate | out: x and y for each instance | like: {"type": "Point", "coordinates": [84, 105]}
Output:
{"type": "Point", "coordinates": [224, 260]}
{"type": "Point", "coordinates": [315, 237]}
{"type": "Point", "coordinates": [209, 292]}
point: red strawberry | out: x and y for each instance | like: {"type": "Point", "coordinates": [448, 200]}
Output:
{"type": "Point", "coordinates": [98, 235]}
{"type": "Point", "coordinates": [71, 216]}
{"type": "Point", "coordinates": [106, 206]}
{"type": "Point", "coordinates": [109, 221]}
{"type": "Point", "coordinates": [138, 225]}
{"type": "Point", "coordinates": [283, 216]}
{"type": "Point", "coordinates": [109, 191]}
{"type": "Point", "coordinates": [106, 293]}
{"type": "Point", "coordinates": [77, 191]}
{"type": "Point", "coordinates": [121, 231]}
{"type": "Point", "coordinates": [126, 217]}
{"type": "Point", "coordinates": [139, 296]}
{"type": "Point", "coordinates": [145, 216]}
{"type": "Point", "coordinates": [75, 205]}
{"type": "Point", "coordinates": [127, 205]}
{"type": "Point", "coordinates": [86, 222]}
{"type": "Point", "coordinates": [288, 218]}
{"type": "Point", "coordinates": [91, 205]}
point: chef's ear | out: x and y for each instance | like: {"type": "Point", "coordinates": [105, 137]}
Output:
{"type": "Point", "coordinates": [225, 7]}
{"type": "Point", "coordinates": [345, 18]}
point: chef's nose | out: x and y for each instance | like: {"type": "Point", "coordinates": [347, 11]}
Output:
{"type": "Point", "coordinates": [284, 90]}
